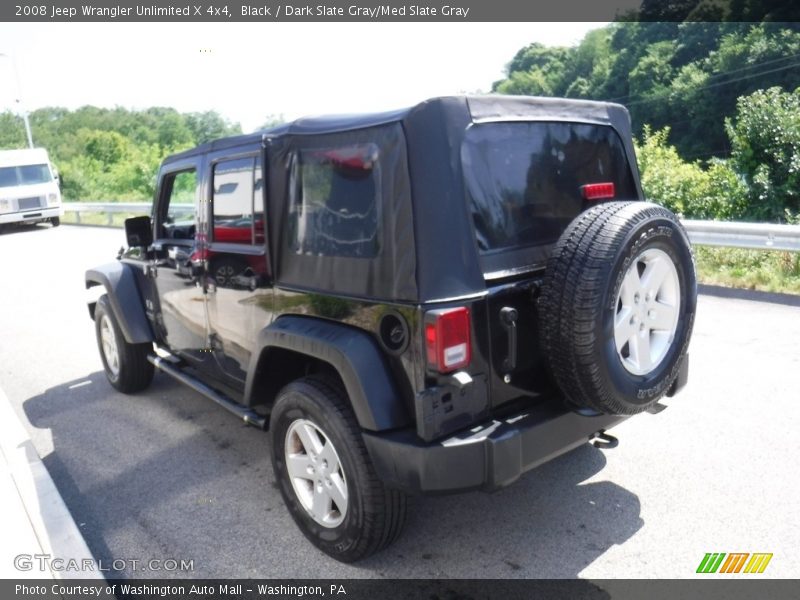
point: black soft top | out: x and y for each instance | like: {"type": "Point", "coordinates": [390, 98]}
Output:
{"type": "Point", "coordinates": [447, 260]}
{"type": "Point", "coordinates": [317, 125]}
{"type": "Point", "coordinates": [480, 108]}
{"type": "Point", "coordinates": [435, 256]}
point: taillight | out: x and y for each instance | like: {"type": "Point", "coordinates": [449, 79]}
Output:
{"type": "Point", "coordinates": [199, 254]}
{"type": "Point", "coordinates": [598, 191]}
{"type": "Point", "coordinates": [447, 339]}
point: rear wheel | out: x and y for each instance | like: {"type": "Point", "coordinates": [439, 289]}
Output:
{"type": "Point", "coordinates": [618, 305]}
{"type": "Point", "coordinates": [126, 365]}
{"type": "Point", "coordinates": [325, 475]}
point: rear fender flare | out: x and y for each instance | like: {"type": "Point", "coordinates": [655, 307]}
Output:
{"type": "Point", "coordinates": [354, 354]}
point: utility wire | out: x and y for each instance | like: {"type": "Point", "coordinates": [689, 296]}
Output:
{"type": "Point", "coordinates": [725, 73]}
{"type": "Point", "coordinates": [714, 85]}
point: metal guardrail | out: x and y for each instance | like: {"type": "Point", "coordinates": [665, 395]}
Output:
{"type": "Point", "coordinates": [112, 208]}
{"type": "Point", "coordinates": [759, 236]}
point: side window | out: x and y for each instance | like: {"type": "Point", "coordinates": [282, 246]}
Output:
{"type": "Point", "coordinates": [180, 214]}
{"type": "Point", "coordinates": [333, 209]}
{"type": "Point", "coordinates": [238, 202]}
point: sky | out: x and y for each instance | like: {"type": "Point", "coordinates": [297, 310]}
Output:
{"type": "Point", "coordinates": [249, 72]}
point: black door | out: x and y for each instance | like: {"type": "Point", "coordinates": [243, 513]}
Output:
{"type": "Point", "coordinates": [181, 316]}
{"type": "Point", "coordinates": [238, 281]}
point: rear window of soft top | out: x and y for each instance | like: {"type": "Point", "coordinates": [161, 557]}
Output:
{"type": "Point", "coordinates": [524, 179]}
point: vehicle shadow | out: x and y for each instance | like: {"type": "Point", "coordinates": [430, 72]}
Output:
{"type": "Point", "coordinates": [168, 474]}
{"type": "Point", "coordinates": [546, 525]}
{"type": "Point", "coordinates": [10, 228]}
{"type": "Point", "coordinates": [149, 476]}
{"type": "Point", "coordinates": [752, 295]}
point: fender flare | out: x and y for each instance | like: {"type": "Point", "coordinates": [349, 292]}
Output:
{"type": "Point", "coordinates": [354, 354]}
{"type": "Point", "coordinates": [119, 281]}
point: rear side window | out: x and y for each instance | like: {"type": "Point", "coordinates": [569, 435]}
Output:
{"type": "Point", "coordinates": [238, 202]}
{"type": "Point", "coordinates": [333, 208]}
{"type": "Point", "coordinates": [524, 179]}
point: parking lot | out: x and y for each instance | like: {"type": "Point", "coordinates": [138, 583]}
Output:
{"type": "Point", "coordinates": [166, 474]}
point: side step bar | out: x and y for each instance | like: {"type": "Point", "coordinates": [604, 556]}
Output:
{"type": "Point", "coordinates": [248, 415]}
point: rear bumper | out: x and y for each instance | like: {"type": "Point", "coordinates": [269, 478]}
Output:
{"type": "Point", "coordinates": [36, 214]}
{"type": "Point", "coordinates": [486, 457]}
{"type": "Point", "coordinates": [492, 454]}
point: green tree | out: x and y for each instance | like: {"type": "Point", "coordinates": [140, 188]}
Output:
{"type": "Point", "coordinates": [210, 125]}
{"type": "Point", "coordinates": [683, 75]}
{"type": "Point", "coordinates": [105, 147]}
{"type": "Point", "coordinates": [528, 83]}
{"type": "Point", "coordinates": [12, 131]}
{"type": "Point", "coordinates": [765, 141]}
{"type": "Point", "coordinates": [666, 178]}
{"type": "Point", "coordinates": [688, 189]}
{"type": "Point", "coordinates": [108, 154]}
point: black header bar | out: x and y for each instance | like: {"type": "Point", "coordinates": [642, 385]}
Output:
{"type": "Point", "coordinates": [742, 588]}
{"type": "Point", "coordinates": [371, 10]}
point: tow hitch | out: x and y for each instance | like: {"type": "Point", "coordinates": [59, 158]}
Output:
{"type": "Point", "coordinates": [604, 441]}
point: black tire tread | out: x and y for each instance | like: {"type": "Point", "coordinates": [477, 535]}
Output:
{"type": "Point", "coordinates": [385, 509]}
{"type": "Point", "coordinates": [578, 272]}
{"type": "Point", "coordinates": [136, 372]}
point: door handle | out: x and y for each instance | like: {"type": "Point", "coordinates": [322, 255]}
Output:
{"type": "Point", "coordinates": [508, 319]}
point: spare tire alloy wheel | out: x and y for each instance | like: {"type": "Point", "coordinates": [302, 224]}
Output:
{"type": "Point", "coordinates": [648, 304]}
{"type": "Point", "coordinates": [617, 307]}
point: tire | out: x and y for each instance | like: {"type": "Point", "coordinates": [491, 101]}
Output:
{"type": "Point", "coordinates": [126, 365]}
{"type": "Point", "coordinates": [56, 221]}
{"type": "Point", "coordinates": [617, 307]}
{"type": "Point", "coordinates": [372, 515]}
{"type": "Point", "coordinates": [225, 269]}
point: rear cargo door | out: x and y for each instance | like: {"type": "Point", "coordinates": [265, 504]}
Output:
{"type": "Point", "coordinates": [526, 181]}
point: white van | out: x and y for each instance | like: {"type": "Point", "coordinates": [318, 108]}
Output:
{"type": "Point", "coordinates": [29, 190]}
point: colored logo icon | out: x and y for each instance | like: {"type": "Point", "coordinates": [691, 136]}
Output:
{"type": "Point", "coordinates": [737, 562]}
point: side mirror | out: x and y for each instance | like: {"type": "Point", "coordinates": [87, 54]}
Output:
{"type": "Point", "coordinates": [139, 232]}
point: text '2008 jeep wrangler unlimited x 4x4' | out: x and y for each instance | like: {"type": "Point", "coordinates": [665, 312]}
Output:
{"type": "Point", "coordinates": [430, 300]}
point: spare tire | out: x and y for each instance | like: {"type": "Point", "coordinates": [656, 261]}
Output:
{"type": "Point", "coordinates": [617, 306]}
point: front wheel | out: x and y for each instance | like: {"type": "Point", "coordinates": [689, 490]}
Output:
{"type": "Point", "coordinates": [325, 475]}
{"type": "Point", "coordinates": [55, 221]}
{"type": "Point", "coordinates": [126, 365]}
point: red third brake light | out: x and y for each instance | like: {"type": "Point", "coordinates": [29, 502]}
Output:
{"type": "Point", "coordinates": [598, 191]}
{"type": "Point", "coordinates": [447, 339]}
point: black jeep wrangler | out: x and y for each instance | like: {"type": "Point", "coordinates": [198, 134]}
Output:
{"type": "Point", "coordinates": [430, 300]}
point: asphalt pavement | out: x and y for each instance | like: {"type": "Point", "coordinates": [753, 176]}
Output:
{"type": "Point", "coordinates": [167, 484]}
